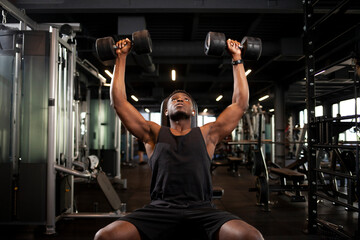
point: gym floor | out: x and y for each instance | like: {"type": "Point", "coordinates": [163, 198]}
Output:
{"type": "Point", "coordinates": [286, 220]}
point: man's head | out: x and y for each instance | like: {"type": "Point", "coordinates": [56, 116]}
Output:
{"type": "Point", "coordinates": [179, 105]}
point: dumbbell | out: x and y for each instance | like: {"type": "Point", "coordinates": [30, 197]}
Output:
{"type": "Point", "coordinates": [141, 44]}
{"type": "Point", "coordinates": [215, 45]}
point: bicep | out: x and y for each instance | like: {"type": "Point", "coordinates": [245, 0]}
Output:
{"type": "Point", "coordinates": [133, 121]}
{"type": "Point", "coordinates": [226, 122]}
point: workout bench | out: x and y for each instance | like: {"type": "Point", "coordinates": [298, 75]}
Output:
{"type": "Point", "coordinates": [296, 177]}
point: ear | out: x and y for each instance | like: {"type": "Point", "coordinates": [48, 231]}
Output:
{"type": "Point", "coordinates": [166, 112]}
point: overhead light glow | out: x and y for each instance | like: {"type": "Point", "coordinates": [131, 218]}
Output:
{"type": "Point", "coordinates": [134, 98]}
{"type": "Point", "coordinates": [248, 72]}
{"type": "Point", "coordinates": [205, 110]}
{"type": "Point", "coordinates": [263, 98]}
{"type": "Point", "coordinates": [219, 98]}
{"type": "Point", "coordinates": [147, 110]}
{"type": "Point", "coordinates": [271, 110]}
{"type": "Point", "coordinates": [103, 79]}
{"type": "Point", "coordinates": [109, 73]}
{"type": "Point", "coordinates": [319, 72]}
{"type": "Point", "coordinates": [173, 75]}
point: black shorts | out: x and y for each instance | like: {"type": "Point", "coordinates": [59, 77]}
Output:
{"type": "Point", "coordinates": [170, 224]}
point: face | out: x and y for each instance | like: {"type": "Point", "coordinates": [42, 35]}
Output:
{"type": "Point", "coordinates": [179, 106]}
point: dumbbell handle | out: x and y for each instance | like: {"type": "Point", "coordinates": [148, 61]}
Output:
{"type": "Point", "coordinates": [116, 47]}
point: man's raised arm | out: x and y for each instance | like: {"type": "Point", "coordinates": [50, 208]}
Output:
{"type": "Point", "coordinates": [229, 118]}
{"type": "Point", "coordinates": [128, 114]}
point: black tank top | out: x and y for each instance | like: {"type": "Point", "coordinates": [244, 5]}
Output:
{"type": "Point", "coordinates": [181, 175]}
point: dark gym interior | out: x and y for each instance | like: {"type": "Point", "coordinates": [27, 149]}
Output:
{"type": "Point", "coordinates": [69, 167]}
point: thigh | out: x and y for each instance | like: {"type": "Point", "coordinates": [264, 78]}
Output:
{"type": "Point", "coordinates": [237, 229]}
{"type": "Point", "coordinates": [119, 230]}
{"type": "Point", "coordinates": [154, 223]}
{"type": "Point", "coordinates": [209, 219]}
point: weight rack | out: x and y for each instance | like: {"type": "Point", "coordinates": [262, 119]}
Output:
{"type": "Point", "coordinates": [315, 140]}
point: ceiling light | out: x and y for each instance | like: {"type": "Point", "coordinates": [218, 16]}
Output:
{"type": "Point", "coordinates": [134, 98]}
{"type": "Point", "coordinates": [263, 98]}
{"type": "Point", "coordinates": [271, 110]}
{"type": "Point", "coordinates": [248, 72]}
{"type": "Point", "coordinates": [205, 110]}
{"type": "Point", "coordinates": [319, 72]}
{"type": "Point", "coordinates": [219, 98]}
{"type": "Point", "coordinates": [109, 73]}
{"type": "Point", "coordinates": [173, 75]}
{"type": "Point", "coordinates": [147, 110]}
{"type": "Point", "coordinates": [103, 79]}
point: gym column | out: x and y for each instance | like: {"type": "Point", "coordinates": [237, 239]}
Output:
{"type": "Point", "coordinates": [51, 173]}
{"type": "Point", "coordinates": [279, 125]}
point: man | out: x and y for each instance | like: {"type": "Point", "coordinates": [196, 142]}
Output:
{"type": "Point", "coordinates": [180, 158]}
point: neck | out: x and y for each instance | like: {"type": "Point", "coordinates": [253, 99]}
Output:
{"type": "Point", "coordinates": [181, 125]}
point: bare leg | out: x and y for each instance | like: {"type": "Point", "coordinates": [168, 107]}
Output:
{"type": "Point", "coordinates": [141, 156]}
{"type": "Point", "coordinates": [119, 230]}
{"type": "Point", "coordinates": [238, 230]}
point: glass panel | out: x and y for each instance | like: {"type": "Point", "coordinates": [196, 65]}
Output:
{"type": "Point", "coordinates": [105, 130]}
{"type": "Point", "coordinates": [6, 74]}
{"type": "Point", "coordinates": [34, 105]}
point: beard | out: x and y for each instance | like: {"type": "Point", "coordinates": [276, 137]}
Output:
{"type": "Point", "coordinates": [179, 116]}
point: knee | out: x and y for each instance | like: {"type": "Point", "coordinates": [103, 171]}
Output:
{"type": "Point", "coordinates": [102, 234]}
{"type": "Point", "coordinates": [251, 234]}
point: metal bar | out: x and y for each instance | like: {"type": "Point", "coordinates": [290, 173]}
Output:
{"type": "Point", "coordinates": [339, 174]}
{"type": "Point", "coordinates": [357, 167]}
{"type": "Point", "coordinates": [15, 116]}
{"type": "Point", "coordinates": [279, 188]}
{"type": "Point", "coordinates": [19, 15]}
{"type": "Point", "coordinates": [99, 122]}
{"type": "Point", "coordinates": [332, 92]}
{"type": "Point", "coordinates": [310, 106]}
{"type": "Point", "coordinates": [351, 207]}
{"type": "Point", "coordinates": [335, 146]}
{"type": "Point", "coordinates": [338, 118]}
{"type": "Point", "coordinates": [72, 172]}
{"type": "Point", "coordinates": [94, 215]}
{"type": "Point", "coordinates": [118, 147]}
{"type": "Point", "coordinates": [331, 227]}
{"type": "Point", "coordinates": [328, 15]}
{"type": "Point", "coordinates": [51, 153]}
{"type": "Point", "coordinates": [333, 39]}
{"type": "Point", "coordinates": [71, 75]}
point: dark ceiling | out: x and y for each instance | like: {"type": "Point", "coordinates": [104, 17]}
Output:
{"type": "Point", "coordinates": [178, 30]}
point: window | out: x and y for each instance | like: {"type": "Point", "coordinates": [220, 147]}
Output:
{"type": "Point", "coordinates": [346, 108]}
{"type": "Point", "coordinates": [155, 117]}
{"type": "Point", "coordinates": [202, 120]}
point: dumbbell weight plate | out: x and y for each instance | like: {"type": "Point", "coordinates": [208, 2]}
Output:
{"type": "Point", "coordinates": [105, 48]}
{"type": "Point", "coordinates": [251, 48]}
{"type": "Point", "coordinates": [215, 44]}
{"type": "Point", "coordinates": [142, 43]}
